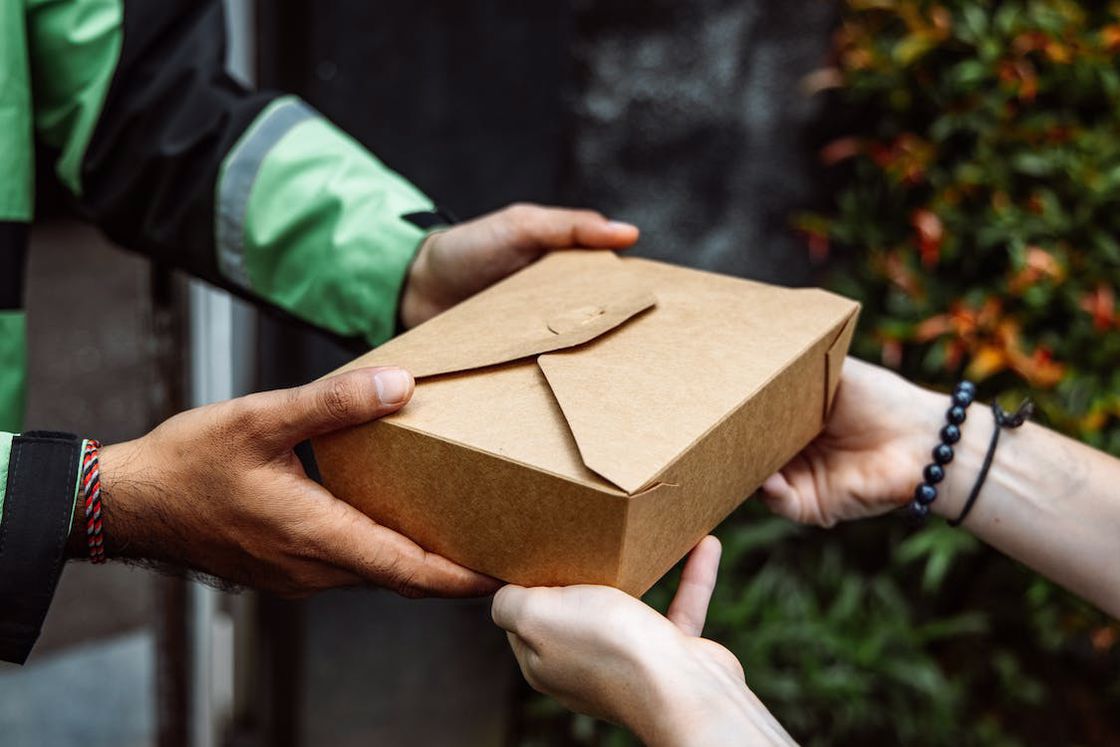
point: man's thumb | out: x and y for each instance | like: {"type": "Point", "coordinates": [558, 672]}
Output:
{"type": "Point", "coordinates": [337, 402]}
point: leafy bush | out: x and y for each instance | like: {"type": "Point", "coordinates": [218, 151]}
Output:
{"type": "Point", "coordinates": [977, 221]}
{"type": "Point", "coordinates": [981, 198]}
{"type": "Point", "coordinates": [976, 216]}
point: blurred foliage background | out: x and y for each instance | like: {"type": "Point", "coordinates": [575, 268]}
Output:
{"type": "Point", "coordinates": [975, 215]}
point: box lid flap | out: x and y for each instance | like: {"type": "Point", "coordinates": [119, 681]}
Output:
{"type": "Point", "coordinates": [613, 410]}
{"type": "Point", "coordinates": [637, 400]}
{"type": "Point", "coordinates": [567, 298]}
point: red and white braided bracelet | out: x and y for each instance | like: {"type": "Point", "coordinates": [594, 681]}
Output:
{"type": "Point", "coordinates": [91, 497]}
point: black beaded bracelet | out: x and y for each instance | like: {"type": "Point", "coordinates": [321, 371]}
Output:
{"type": "Point", "coordinates": [1002, 419]}
{"type": "Point", "coordinates": [926, 492]}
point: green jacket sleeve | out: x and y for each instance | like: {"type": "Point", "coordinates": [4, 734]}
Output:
{"type": "Point", "coordinates": [13, 366]}
{"type": "Point", "coordinates": [312, 222]}
{"type": "Point", "coordinates": [252, 191]}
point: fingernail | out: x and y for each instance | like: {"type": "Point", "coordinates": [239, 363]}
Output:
{"type": "Point", "coordinates": [393, 385]}
{"type": "Point", "coordinates": [617, 225]}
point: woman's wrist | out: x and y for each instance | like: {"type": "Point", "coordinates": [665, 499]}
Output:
{"type": "Point", "coordinates": [728, 715]}
{"type": "Point", "coordinates": [919, 414]}
{"type": "Point", "coordinates": [968, 457]}
{"type": "Point", "coordinates": [693, 703]}
{"type": "Point", "coordinates": [961, 472]}
{"type": "Point", "coordinates": [927, 418]}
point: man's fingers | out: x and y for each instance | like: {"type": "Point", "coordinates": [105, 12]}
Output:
{"type": "Point", "coordinates": [341, 401]}
{"type": "Point", "coordinates": [390, 560]}
{"type": "Point", "coordinates": [600, 232]}
{"type": "Point", "coordinates": [559, 228]}
{"type": "Point", "coordinates": [316, 576]}
{"type": "Point", "coordinates": [690, 605]}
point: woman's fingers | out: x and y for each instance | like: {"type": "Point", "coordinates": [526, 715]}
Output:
{"type": "Point", "coordinates": [690, 605]}
{"type": "Point", "coordinates": [780, 497]}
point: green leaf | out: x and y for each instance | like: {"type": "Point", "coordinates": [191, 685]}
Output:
{"type": "Point", "coordinates": [974, 21]}
{"type": "Point", "coordinates": [912, 48]}
{"type": "Point", "coordinates": [1034, 164]}
{"type": "Point", "coordinates": [969, 73]}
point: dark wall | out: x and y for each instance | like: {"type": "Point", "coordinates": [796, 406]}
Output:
{"type": "Point", "coordinates": [465, 98]}
{"type": "Point", "coordinates": [691, 121]}
{"type": "Point", "coordinates": [687, 118]}
{"type": "Point", "coordinates": [470, 101]}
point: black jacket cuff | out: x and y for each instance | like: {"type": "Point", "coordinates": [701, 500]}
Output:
{"type": "Point", "coordinates": [34, 528]}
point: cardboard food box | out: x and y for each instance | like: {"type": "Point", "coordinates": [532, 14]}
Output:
{"type": "Point", "coordinates": [590, 418]}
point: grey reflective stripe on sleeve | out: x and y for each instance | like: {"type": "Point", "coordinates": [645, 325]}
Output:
{"type": "Point", "coordinates": [238, 173]}
{"type": "Point", "coordinates": [5, 454]}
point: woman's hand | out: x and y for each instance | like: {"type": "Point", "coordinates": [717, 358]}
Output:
{"type": "Point", "coordinates": [1047, 501]}
{"type": "Point", "coordinates": [870, 456]}
{"type": "Point", "coordinates": [455, 264]}
{"type": "Point", "coordinates": [218, 489]}
{"type": "Point", "coordinates": [601, 652]}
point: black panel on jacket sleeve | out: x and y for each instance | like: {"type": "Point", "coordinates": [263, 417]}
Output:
{"type": "Point", "coordinates": [170, 117]}
{"type": "Point", "coordinates": [38, 505]}
{"type": "Point", "coordinates": [13, 254]}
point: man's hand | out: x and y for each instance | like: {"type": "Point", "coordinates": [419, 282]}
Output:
{"type": "Point", "coordinates": [218, 490]}
{"type": "Point", "coordinates": [455, 264]}
{"type": "Point", "coordinates": [870, 456]}
{"type": "Point", "coordinates": [601, 652]}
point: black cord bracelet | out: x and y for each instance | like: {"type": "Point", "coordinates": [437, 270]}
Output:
{"type": "Point", "coordinates": [926, 491]}
{"type": "Point", "coordinates": [1003, 419]}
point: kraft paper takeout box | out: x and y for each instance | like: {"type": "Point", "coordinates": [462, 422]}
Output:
{"type": "Point", "coordinates": [590, 418]}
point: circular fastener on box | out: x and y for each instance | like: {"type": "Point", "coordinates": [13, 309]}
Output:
{"type": "Point", "coordinates": [569, 320]}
